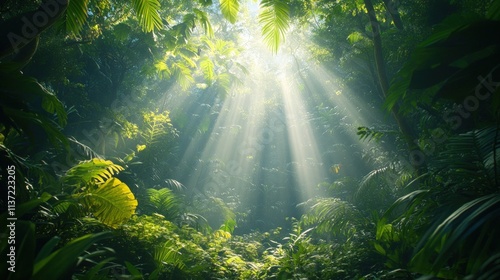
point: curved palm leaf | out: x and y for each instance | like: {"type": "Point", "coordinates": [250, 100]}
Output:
{"type": "Point", "coordinates": [274, 17]}
{"type": "Point", "coordinates": [471, 159]}
{"type": "Point", "coordinates": [91, 171]}
{"type": "Point", "coordinates": [169, 254]}
{"type": "Point", "coordinates": [207, 66]}
{"type": "Point", "coordinates": [202, 18]}
{"type": "Point", "coordinates": [147, 13]}
{"type": "Point", "coordinates": [471, 230]}
{"type": "Point", "coordinates": [165, 202]}
{"type": "Point", "coordinates": [76, 15]}
{"type": "Point", "coordinates": [174, 185]}
{"type": "Point", "coordinates": [333, 215]}
{"type": "Point", "coordinates": [112, 202]}
{"type": "Point", "coordinates": [230, 9]}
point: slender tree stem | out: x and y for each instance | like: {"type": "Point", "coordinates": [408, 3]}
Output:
{"type": "Point", "coordinates": [407, 132]}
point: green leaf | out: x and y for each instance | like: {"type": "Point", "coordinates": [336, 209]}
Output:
{"type": "Point", "coordinates": [162, 69]}
{"type": "Point", "coordinates": [76, 15]}
{"type": "Point", "coordinates": [494, 11]}
{"type": "Point", "coordinates": [355, 37]}
{"type": "Point", "coordinates": [274, 18]}
{"type": "Point", "coordinates": [61, 261]}
{"type": "Point", "coordinates": [147, 14]}
{"type": "Point", "coordinates": [47, 248]}
{"type": "Point", "coordinates": [133, 271]}
{"type": "Point", "coordinates": [91, 171]}
{"type": "Point", "coordinates": [169, 254]}
{"type": "Point", "coordinates": [164, 202]}
{"type": "Point", "coordinates": [183, 75]}
{"type": "Point", "coordinates": [207, 66]}
{"type": "Point", "coordinates": [112, 203]}
{"type": "Point", "coordinates": [230, 9]}
{"type": "Point", "coordinates": [202, 18]}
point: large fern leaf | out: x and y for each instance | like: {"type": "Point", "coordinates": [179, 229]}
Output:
{"type": "Point", "coordinates": [165, 202]}
{"type": "Point", "coordinates": [230, 9]}
{"type": "Point", "coordinates": [94, 171]}
{"type": "Point", "coordinates": [332, 215]}
{"type": "Point", "coordinates": [274, 17]}
{"type": "Point", "coordinates": [169, 254]}
{"type": "Point", "coordinates": [471, 159]}
{"type": "Point", "coordinates": [112, 202]}
{"type": "Point", "coordinates": [147, 14]}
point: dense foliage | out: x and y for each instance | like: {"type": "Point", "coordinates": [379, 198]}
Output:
{"type": "Point", "coordinates": [152, 139]}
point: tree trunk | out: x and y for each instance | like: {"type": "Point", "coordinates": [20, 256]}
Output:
{"type": "Point", "coordinates": [408, 134]}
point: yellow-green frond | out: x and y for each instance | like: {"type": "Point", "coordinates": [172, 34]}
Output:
{"type": "Point", "coordinates": [274, 18]}
{"type": "Point", "coordinates": [112, 202]}
{"type": "Point", "coordinates": [147, 14]}
{"type": "Point", "coordinates": [230, 9]}
{"type": "Point", "coordinates": [207, 66]}
{"type": "Point", "coordinates": [94, 171]}
{"type": "Point", "coordinates": [76, 15]}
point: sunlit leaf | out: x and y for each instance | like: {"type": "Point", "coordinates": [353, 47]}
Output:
{"type": "Point", "coordinates": [207, 66]}
{"type": "Point", "coordinates": [92, 171]}
{"type": "Point", "coordinates": [148, 15]}
{"type": "Point", "coordinates": [112, 202]}
{"type": "Point", "coordinates": [274, 18]}
{"type": "Point", "coordinates": [76, 15]}
{"type": "Point", "coordinates": [230, 9]}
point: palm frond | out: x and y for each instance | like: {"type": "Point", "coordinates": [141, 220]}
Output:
{"type": "Point", "coordinates": [333, 215]}
{"type": "Point", "coordinates": [174, 185]}
{"type": "Point", "coordinates": [164, 202]}
{"type": "Point", "coordinates": [230, 9]}
{"type": "Point", "coordinates": [183, 75]}
{"type": "Point", "coordinates": [94, 171]}
{"type": "Point", "coordinates": [147, 14]}
{"type": "Point", "coordinates": [202, 18]}
{"type": "Point", "coordinates": [207, 66]}
{"type": "Point", "coordinates": [274, 18]}
{"type": "Point", "coordinates": [112, 202]}
{"type": "Point", "coordinates": [471, 159]}
{"type": "Point", "coordinates": [470, 231]}
{"type": "Point", "coordinates": [89, 152]}
{"type": "Point", "coordinates": [376, 177]}
{"type": "Point", "coordinates": [168, 254]}
{"type": "Point", "coordinates": [76, 15]}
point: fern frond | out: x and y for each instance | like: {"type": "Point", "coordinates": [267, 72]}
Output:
{"type": "Point", "coordinates": [230, 9]}
{"type": "Point", "coordinates": [147, 14]}
{"type": "Point", "coordinates": [368, 134]}
{"type": "Point", "coordinates": [94, 171]}
{"type": "Point", "coordinates": [174, 185]}
{"type": "Point", "coordinates": [112, 202]}
{"type": "Point", "coordinates": [274, 18]}
{"type": "Point", "coordinates": [471, 229]}
{"type": "Point", "coordinates": [183, 75]}
{"type": "Point", "coordinates": [89, 152]}
{"type": "Point", "coordinates": [76, 15]}
{"type": "Point", "coordinates": [207, 66]}
{"type": "Point", "coordinates": [471, 158]}
{"type": "Point", "coordinates": [164, 202]}
{"type": "Point", "coordinates": [386, 174]}
{"type": "Point", "coordinates": [169, 254]}
{"type": "Point", "coordinates": [332, 215]}
{"type": "Point", "coordinates": [202, 18]}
